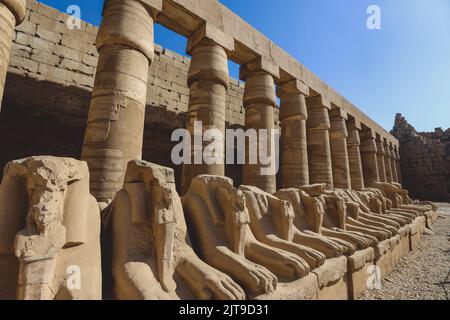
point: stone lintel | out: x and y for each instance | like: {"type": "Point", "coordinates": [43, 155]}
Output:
{"type": "Point", "coordinates": [210, 32]}
{"type": "Point", "coordinates": [259, 64]}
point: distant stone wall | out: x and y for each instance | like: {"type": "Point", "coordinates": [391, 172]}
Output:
{"type": "Point", "coordinates": [50, 79]}
{"type": "Point", "coordinates": [425, 160]}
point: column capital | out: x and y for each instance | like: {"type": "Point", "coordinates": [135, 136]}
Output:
{"type": "Point", "coordinates": [259, 88]}
{"type": "Point", "coordinates": [129, 23]}
{"type": "Point", "coordinates": [209, 62]}
{"type": "Point", "coordinates": [212, 33]}
{"type": "Point", "coordinates": [259, 65]}
{"type": "Point", "coordinates": [17, 7]}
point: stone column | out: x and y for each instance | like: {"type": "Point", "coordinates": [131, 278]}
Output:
{"type": "Point", "coordinates": [381, 154]}
{"type": "Point", "coordinates": [369, 157]}
{"type": "Point", "coordinates": [392, 161]}
{"type": "Point", "coordinates": [114, 133]}
{"type": "Point", "coordinates": [387, 162]}
{"type": "Point", "coordinates": [339, 151]}
{"type": "Point", "coordinates": [259, 104]}
{"type": "Point", "coordinates": [208, 83]}
{"type": "Point", "coordinates": [12, 13]}
{"type": "Point", "coordinates": [294, 171]}
{"type": "Point", "coordinates": [397, 165]}
{"type": "Point", "coordinates": [354, 156]}
{"type": "Point", "coordinates": [318, 135]}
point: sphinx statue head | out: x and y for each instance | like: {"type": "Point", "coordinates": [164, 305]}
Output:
{"type": "Point", "coordinates": [233, 204]}
{"type": "Point", "coordinates": [283, 218]}
{"type": "Point", "coordinates": [47, 209]}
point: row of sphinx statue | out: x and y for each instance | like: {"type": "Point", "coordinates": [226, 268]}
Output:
{"type": "Point", "coordinates": [216, 242]}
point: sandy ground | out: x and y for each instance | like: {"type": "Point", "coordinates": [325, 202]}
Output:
{"type": "Point", "coordinates": [424, 274]}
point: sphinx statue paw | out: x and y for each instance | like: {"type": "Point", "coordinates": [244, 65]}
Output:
{"type": "Point", "coordinates": [219, 286]}
{"type": "Point", "coordinates": [314, 258]}
{"type": "Point", "coordinates": [291, 265]}
{"type": "Point", "coordinates": [332, 250]}
{"type": "Point", "coordinates": [261, 280]}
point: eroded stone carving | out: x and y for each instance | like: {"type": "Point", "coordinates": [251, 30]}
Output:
{"type": "Point", "coordinates": [52, 226]}
{"type": "Point", "coordinates": [271, 221]}
{"type": "Point", "coordinates": [152, 256]}
{"type": "Point", "coordinates": [219, 221]}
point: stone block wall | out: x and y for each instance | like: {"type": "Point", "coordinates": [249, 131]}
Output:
{"type": "Point", "coordinates": [425, 160]}
{"type": "Point", "coordinates": [50, 79]}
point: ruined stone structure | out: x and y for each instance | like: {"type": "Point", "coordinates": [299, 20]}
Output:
{"type": "Point", "coordinates": [425, 165]}
{"type": "Point", "coordinates": [197, 231]}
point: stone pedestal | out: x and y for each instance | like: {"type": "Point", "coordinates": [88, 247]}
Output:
{"type": "Point", "coordinates": [12, 13]}
{"type": "Point", "coordinates": [332, 279]}
{"type": "Point", "coordinates": [259, 103]}
{"type": "Point", "coordinates": [318, 136]}
{"type": "Point", "coordinates": [294, 171]}
{"type": "Point", "coordinates": [359, 271]}
{"type": "Point", "coordinates": [384, 256]}
{"type": "Point", "coordinates": [381, 154]}
{"type": "Point", "coordinates": [208, 83]}
{"type": "Point", "coordinates": [303, 289]}
{"type": "Point", "coordinates": [369, 157]}
{"type": "Point", "coordinates": [402, 247]}
{"type": "Point", "coordinates": [114, 133]}
{"type": "Point", "coordinates": [339, 153]}
{"type": "Point", "coordinates": [354, 156]}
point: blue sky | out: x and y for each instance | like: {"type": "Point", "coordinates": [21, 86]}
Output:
{"type": "Point", "coordinates": [404, 67]}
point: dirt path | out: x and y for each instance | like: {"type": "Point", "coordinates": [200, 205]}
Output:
{"type": "Point", "coordinates": [424, 274]}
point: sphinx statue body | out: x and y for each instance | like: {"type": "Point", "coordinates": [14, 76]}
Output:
{"type": "Point", "coordinates": [50, 239]}
{"type": "Point", "coordinates": [152, 258]}
{"type": "Point", "coordinates": [219, 223]}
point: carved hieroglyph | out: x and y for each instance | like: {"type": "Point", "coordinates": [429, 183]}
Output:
{"type": "Point", "coordinates": [339, 151]}
{"type": "Point", "coordinates": [208, 83]}
{"type": "Point", "coordinates": [50, 239]}
{"type": "Point", "coordinates": [380, 160]}
{"type": "Point", "coordinates": [115, 128]}
{"type": "Point", "coordinates": [319, 150]}
{"type": "Point", "coordinates": [354, 156]}
{"type": "Point", "coordinates": [12, 12]}
{"type": "Point", "coordinates": [294, 171]}
{"type": "Point", "coordinates": [369, 157]}
{"type": "Point", "coordinates": [152, 256]}
{"type": "Point", "coordinates": [259, 103]}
